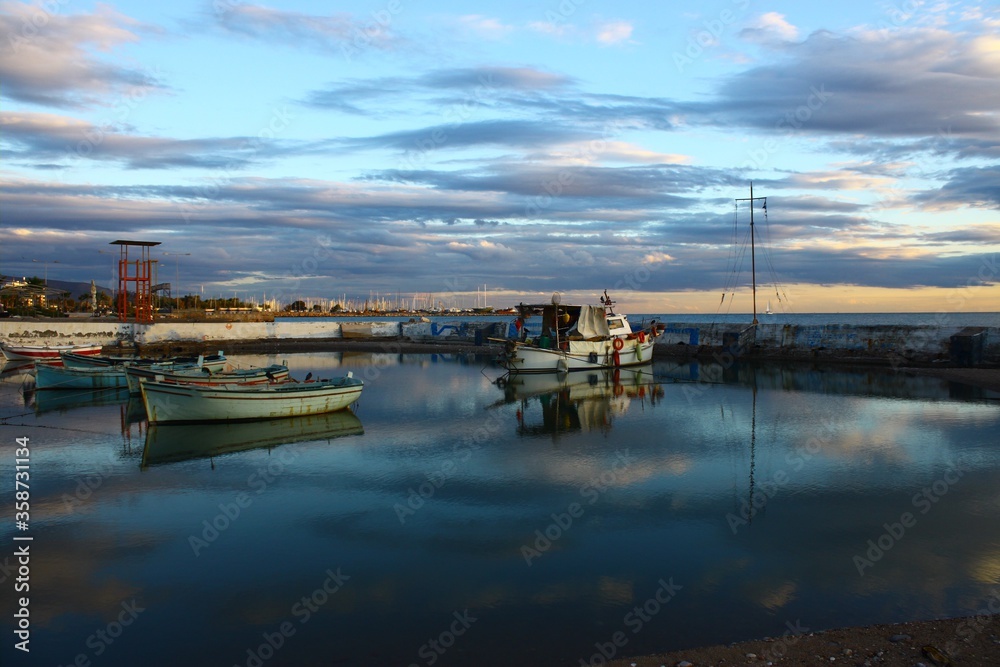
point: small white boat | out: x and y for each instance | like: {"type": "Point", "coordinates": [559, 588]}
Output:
{"type": "Point", "coordinates": [167, 402]}
{"type": "Point", "coordinates": [51, 376]}
{"type": "Point", "coordinates": [204, 377]}
{"type": "Point", "coordinates": [45, 352]}
{"type": "Point", "coordinates": [575, 338]}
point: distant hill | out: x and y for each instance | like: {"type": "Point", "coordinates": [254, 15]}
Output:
{"type": "Point", "coordinates": [75, 289]}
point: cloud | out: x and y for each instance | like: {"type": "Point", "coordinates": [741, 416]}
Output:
{"type": "Point", "coordinates": [50, 58]}
{"type": "Point", "coordinates": [339, 33]}
{"type": "Point", "coordinates": [450, 91]}
{"type": "Point", "coordinates": [36, 137]}
{"type": "Point", "coordinates": [600, 31]}
{"type": "Point", "coordinates": [600, 228]}
{"type": "Point", "coordinates": [966, 186]}
{"type": "Point", "coordinates": [906, 83]}
{"type": "Point", "coordinates": [612, 33]}
{"type": "Point", "coordinates": [770, 29]}
{"type": "Point", "coordinates": [500, 132]}
{"type": "Point", "coordinates": [484, 27]}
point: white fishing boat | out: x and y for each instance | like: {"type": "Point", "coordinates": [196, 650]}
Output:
{"type": "Point", "coordinates": [52, 376]}
{"type": "Point", "coordinates": [166, 402]}
{"type": "Point", "coordinates": [45, 352]}
{"type": "Point", "coordinates": [204, 377]}
{"type": "Point", "coordinates": [575, 338]}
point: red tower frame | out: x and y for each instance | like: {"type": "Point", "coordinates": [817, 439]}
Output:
{"type": "Point", "coordinates": [139, 280]}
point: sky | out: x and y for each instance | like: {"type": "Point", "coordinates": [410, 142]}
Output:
{"type": "Point", "coordinates": [317, 149]}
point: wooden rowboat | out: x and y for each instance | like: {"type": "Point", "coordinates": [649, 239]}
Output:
{"type": "Point", "coordinates": [51, 376]}
{"type": "Point", "coordinates": [45, 352]}
{"type": "Point", "coordinates": [213, 362]}
{"type": "Point", "coordinates": [202, 377]}
{"type": "Point", "coordinates": [167, 402]}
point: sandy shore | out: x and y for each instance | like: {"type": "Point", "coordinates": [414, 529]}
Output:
{"type": "Point", "coordinates": [958, 642]}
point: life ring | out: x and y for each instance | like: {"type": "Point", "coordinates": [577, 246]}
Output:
{"type": "Point", "coordinates": [618, 344]}
{"type": "Point", "coordinates": [642, 336]}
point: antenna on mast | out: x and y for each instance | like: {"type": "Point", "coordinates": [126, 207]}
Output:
{"type": "Point", "coordinates": [753, 260]}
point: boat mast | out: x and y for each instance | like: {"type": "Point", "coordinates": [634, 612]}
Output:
{"type": "Point", "coordinates": [753, 259]}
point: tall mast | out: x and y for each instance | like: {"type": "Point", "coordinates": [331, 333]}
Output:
{"type": "Point", "coordinates": [753, 259]}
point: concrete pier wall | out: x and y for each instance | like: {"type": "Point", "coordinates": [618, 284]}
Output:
{"type": "Point", "coordinates": [877, 341]}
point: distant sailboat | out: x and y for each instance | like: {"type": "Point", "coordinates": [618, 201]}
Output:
{"type": "Point", "coordinates": [768, 310]}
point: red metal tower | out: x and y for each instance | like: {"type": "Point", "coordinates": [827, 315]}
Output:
{"type": "Point", "coordinates": [138, 281]}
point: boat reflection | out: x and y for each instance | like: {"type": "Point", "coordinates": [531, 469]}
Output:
{"type": "Point", "coordinates": [170, 443]}
{"type": "Point", "coordinates": [16, 367]}
{"type": "Point", "coordinates": [579, 401]}
{"type": "Point", "coordinates": [64, 400]}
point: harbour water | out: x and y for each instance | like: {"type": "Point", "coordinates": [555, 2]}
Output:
{"type": "Point", "coordinates": [450, 520]}
{"type": "Point", "coordinates": [945, 318]}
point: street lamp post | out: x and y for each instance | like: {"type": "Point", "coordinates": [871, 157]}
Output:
{"type": "Point", "coordinates": [177, 299]}
{"type": "Point", "coordinates": [46, 262]}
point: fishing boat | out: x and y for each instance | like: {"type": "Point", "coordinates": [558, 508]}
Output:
{"type": "Point", "coordinates": [45, 352]}
{"type": "Point", "coordinates": [166, 402]}
{"type": "Point", "coordinates": [52, 376]}
{"type": "Point", "coordinates": [213, 362]}
{"type": "Point", "coordinates": [204, 377]}
{"type": "Point", "coordinates": [575, 338]}
{"type": "Point", "coordinates": [171, 443]}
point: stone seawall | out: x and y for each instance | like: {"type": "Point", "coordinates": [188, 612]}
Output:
{"type": "Point", "coordinates": [889, 343]}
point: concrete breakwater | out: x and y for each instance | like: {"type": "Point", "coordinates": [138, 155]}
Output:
{"type": "Point", "coordinates": [874, 343]}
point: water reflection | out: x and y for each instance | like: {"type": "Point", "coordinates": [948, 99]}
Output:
{"type": "Point", "coordinates": [754, 489]}
{"type": "Point", "coordinates": [556, 403]}
{"type": "Point", "coordinates": [169, 443]}
{"type": "Point", "coordinates": [64, 400]}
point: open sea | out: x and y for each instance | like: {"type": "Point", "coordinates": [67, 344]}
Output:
{"type": "Point", "coordinates": [451, 520]}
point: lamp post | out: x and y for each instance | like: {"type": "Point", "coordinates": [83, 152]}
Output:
{"type": "Point", "coordinates": [46, 262]}
{"type": "Point", "coordinates": [177, 299]}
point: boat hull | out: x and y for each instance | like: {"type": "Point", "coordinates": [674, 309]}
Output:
{"type": "Point", "coordinates": [166, 403]}
{"type": "Point", "coordinates": [195, 376]}
{"type": "Point", "coordinates": [578, 356]}
{"type": "Point", "coordinates": [50, 376]}
{"type": "Point", "coordinates": [46, 352]}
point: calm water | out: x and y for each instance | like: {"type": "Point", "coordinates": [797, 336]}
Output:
{"type": "Point", "coordinates": [451, 521]}
{"type": "Point", "coordinates": [946, 319]}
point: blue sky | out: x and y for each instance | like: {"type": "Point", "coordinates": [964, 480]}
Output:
{"type": "Point", "coordinates": [310, 150]}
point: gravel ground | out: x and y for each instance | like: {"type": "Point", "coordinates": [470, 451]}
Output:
{"type": "Point", "coordinates": [959, 642]}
